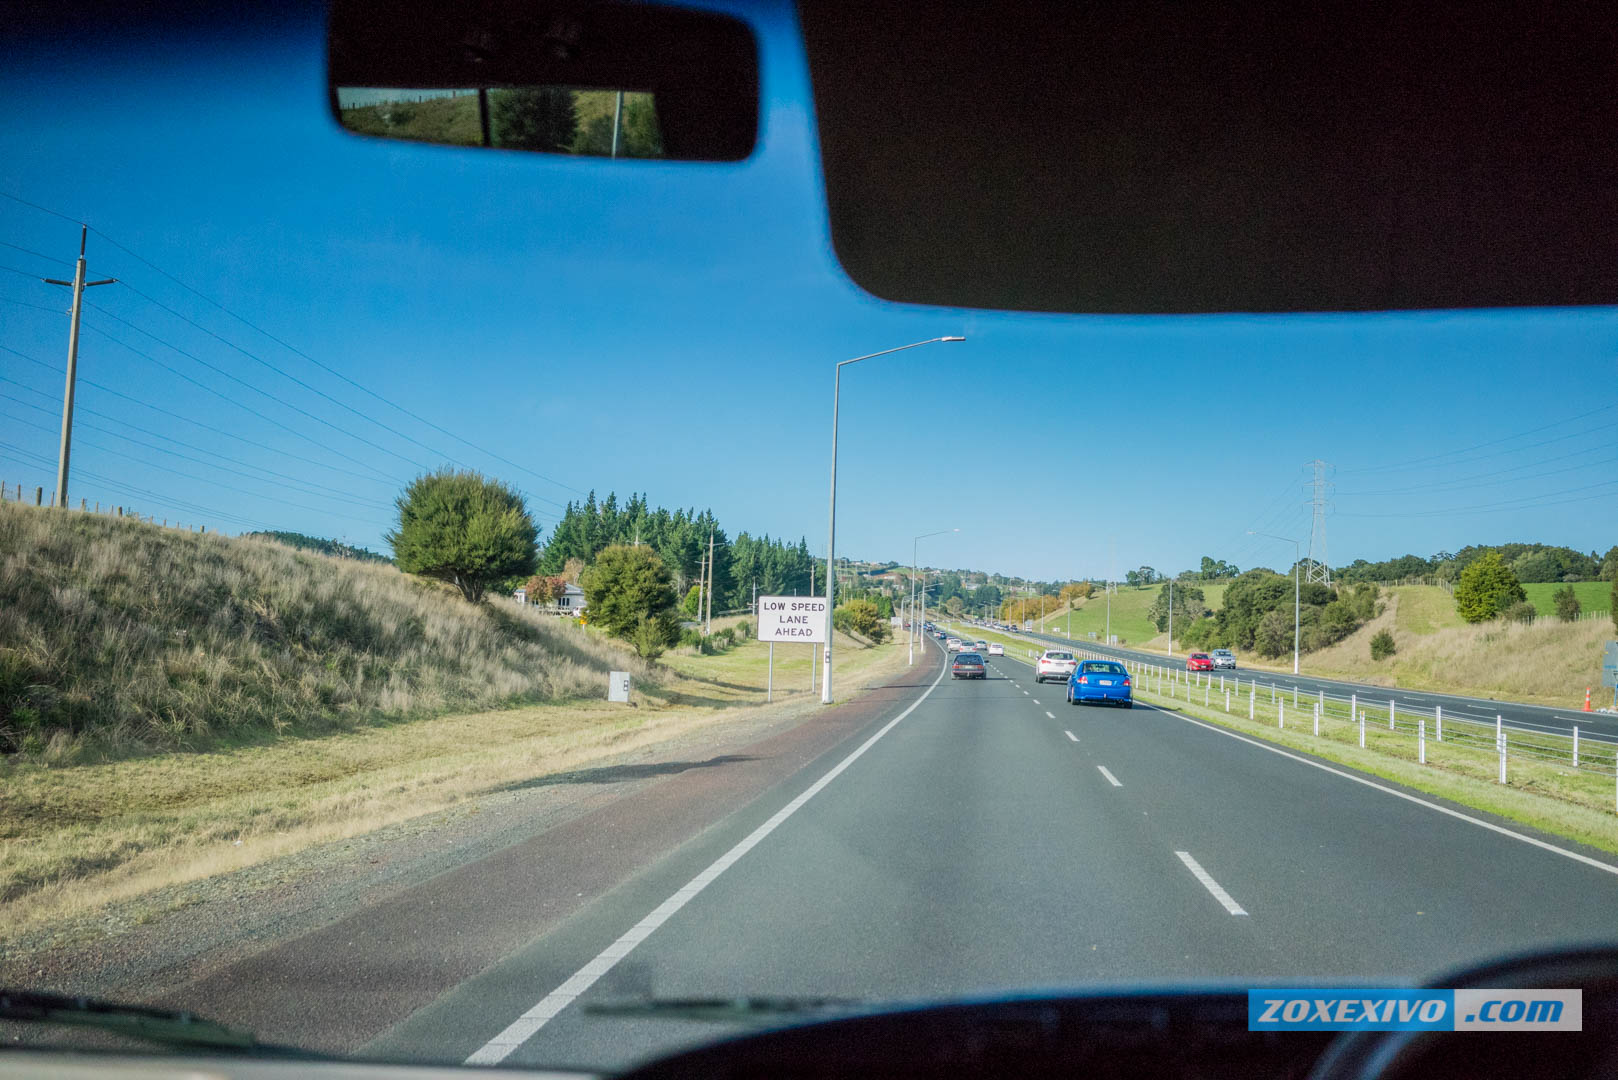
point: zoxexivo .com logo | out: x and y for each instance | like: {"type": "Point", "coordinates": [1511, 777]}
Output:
{"type": "Point", "coordinates": [1415, 1010]}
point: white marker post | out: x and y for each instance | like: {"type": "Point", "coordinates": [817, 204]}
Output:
{"type": "Point", "coordinates": [1281, 715]}
{"type": "Point", "coordinates": [1575, 746]}
{"type": "Point", "coordinates": [1500, 740]}
{"type": "Point", "coordinates": [1391, 708]}
{"type": "Point", "coordinates": [1317, 718]}
{"type": "Point", "coordinates": [1227, 699]}
{"type": "Point", "coordinates": [1252, 702]}
{"type": "Point", "coordinates": [1354, 708]}
{"type": "Point", "coordinates": [1438, 721]}
{"type": "Point", "coordinates": [1421, 742]}
{"type": "Point", "coordinates": [1362, 731]}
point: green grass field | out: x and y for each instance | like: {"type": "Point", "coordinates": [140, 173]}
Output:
{"type": "Point", "coordinates": [1593, 595]}
{"type": "Point", "coordinates": [1129, 607]}
{"type": "Point", "coordinates": [1424, 609]}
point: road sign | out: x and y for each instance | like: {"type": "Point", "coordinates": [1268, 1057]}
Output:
{"type": "Point", "coordinates": [618, 686]}
{"type": "Point", "coordinates": [792, 618]}
{"type": "Point", "coordinates": [1609, 665]}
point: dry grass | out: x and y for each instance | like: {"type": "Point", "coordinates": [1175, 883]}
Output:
{"type": "Point", "coordinates": [118, 637]}
{"type": "Point", "coordinates": [1549, 664]}
{"type": "Point", "coordinates": [118, 820]}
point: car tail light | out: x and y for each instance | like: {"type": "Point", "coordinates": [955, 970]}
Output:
{"type": "Point", "coordinates": [1126, 682]}
{"type": "Point", "coordinates": [1084, 679]}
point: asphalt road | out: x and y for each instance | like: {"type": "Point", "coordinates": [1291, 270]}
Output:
{"type": "Point", "coordinates": [993, 837]}
{"type": "Point", "coordinates": [1478, 710]}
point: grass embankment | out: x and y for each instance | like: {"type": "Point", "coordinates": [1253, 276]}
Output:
{"type": "Point", "coordinates": [109, 814]}
{"type": "Point", "coordinates": [1129, 607]}
{"type": "Point", "coordinates": [1545, 664]}
{"type": "Point", "coordinates": [1593, 595]}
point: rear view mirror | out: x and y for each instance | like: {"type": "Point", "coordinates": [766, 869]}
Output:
{"type": "Point", "coordinates": [586, 78]}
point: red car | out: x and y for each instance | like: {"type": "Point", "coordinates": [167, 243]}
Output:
{"type": "Point", "coordinates": [1199, 661]}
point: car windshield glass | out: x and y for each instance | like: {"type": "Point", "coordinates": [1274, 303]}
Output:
{"type": "Point", "coordinates": [457, 586]}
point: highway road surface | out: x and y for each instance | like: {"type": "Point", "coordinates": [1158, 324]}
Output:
{"type": "Point", "coordinates": [1594, 725]}
{"type": "Point", "coordinates": [987, 836]}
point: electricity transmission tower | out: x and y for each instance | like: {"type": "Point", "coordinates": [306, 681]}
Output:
{"type": "Point", "coordinates": [1318, 568]}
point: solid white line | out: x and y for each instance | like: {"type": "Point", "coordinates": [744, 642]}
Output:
{"type": "Point", "coordinates": [1050, 714]}
{"type": "Point", "coordinates": [1111, 779]}
{"type": "Point", "coordinates": [1072, 736]}
{"type": "Point", "coordinates": [1209, 883]}
{"type": "Point", "coordinates": [1597, 863]}
{"type": "Point", "coordinates": [523, 1028]}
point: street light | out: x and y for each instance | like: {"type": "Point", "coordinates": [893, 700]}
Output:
{"type": "Point", "coordinates": [1297, 560]}
{"type": "Point", "coordinates": [915, 621]}
{"type": "Point", "coordinates": [831, 514]}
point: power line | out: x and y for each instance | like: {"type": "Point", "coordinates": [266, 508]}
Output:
{"type": "Point", "coordinates": [322, 366]}
{"type": "Point", "coordinates": [193, 477]}
{"type": "Point", "coordinates": [1462, 482]}
{"type": "Point", "coordinates": [1396, 466]}
{"type": "Point", "coordinates": [227, 398]}
{"type": "Point", "coordinates": [197, 423]}
{"type": "Point", "coordinates": [41, 209]}
{"type": "Point", "coordinates": [1527, 502]}
{"type": "Point", "coordinates": [36, 254]}
{"type": "Point", "coordinates": [36, 307]}
{"type": "Point", "coordinates": [325, 493]}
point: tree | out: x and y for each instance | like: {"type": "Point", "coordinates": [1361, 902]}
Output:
{"type": "Point", "coordinates": [1486, 588]}
{"type": "Point", "coordinates": [1189, 606]}
{"type": "Point", "coordinates": [625, 588]}
{"type": "Point", "coordinates": [693, 598]}
{"type": "Point", "coordinates": [1274, 635]}
{"type": "Point", "coordinates": [1382, 645]}
{"type": "Point", "coordinates": [1609, 564]}
{"type": "Point", "coordinates": [543, 589]}
{"type": "Point", "coordinates": [1072, 594]}
{"type": "Point", "coordinates": [462, 528]}
{"type": "Point", "coordinates": [572, 570]}
{"type": "Point", "coordinates": [954, 606]}
{"type": "Point", "coordinates": [862, 617]}
{"type": "Point", "coordinates": [1567, 603]}
{"type": "Point", "coordinates": [533, 118]}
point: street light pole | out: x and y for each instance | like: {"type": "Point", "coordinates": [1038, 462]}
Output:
{"type": "Point", "coordinates": [1297, 607]}
{"type": "Point", "coordinates": [915, 623]}
{"type": "Point", "coordinates": [831, 514]}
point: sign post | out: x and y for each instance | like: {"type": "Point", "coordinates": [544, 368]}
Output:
{"type": "Point", "coordinates": [791, 618]}
{"type": "Point", "coordinates": [1609, 670]}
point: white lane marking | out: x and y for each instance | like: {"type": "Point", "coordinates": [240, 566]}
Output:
{"type": "Point", "coordinates": [1111, 779]}
{"type": "Point", "coordinates": [1050, 714]}
{"type": "Point", "coordinates": [1070, 735]}
{"type": "Point", "coordinates": [1025, 693]}
{"type": "Point", "coordinates": [1209, 883]}
{"type": "Point", "coordinates": [525, 1026]}
{"type": "Point", "coordinates": [1574, 855]}
{"type": "Point", "coordinates": [1036, 701]}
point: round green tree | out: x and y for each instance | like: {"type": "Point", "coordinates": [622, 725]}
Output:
{"type": "Point", "coordinates": [630, 594]}
{"type": "Point", "coordinates": [1487, 587]}
{"type": "Point", "coordinates": [465, 529]}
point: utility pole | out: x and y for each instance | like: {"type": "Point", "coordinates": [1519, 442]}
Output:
{"type": "Point", "coordinates": [708, 623]}
{"type": "Point", "coordinates": [1171, 616]}
{"type": "Point", "coordinates": [78, 285]}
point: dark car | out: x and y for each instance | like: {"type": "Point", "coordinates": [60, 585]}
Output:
{"type": "Point", "coordinates": [968, 665]}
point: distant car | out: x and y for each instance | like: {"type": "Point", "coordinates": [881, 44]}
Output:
{"type": "Point", "coordinates": [1106, 681]}
{"type": "Point", "coordinates": [1054, 664]}
{"type": "Point", "coordinates": [982, 646]}
{"type": "Point", "coordinates": [940, 635]}
{"type": "Point", "coordinates": [953, 644]}
{"type": "Point", "coordinates": [996, 649]}
{"type": "Point", "coordinates": [1224, 658]}
{"type": "Point", "coordinates": [968, 665]}
{"type": "Point", "coordinates": [1199, 661]}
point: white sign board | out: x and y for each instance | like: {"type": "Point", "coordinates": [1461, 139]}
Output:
{"type": "Point", "coordinates": [1609, 665]}
{"type": "Point", "coordinates": [792, 618]}
{"type": "Point", "coordinates": [618, 686]}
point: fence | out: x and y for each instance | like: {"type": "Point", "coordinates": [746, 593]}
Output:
{"type": "Point", "coordinates": [39, 497]}
{"type": "Point", "coordinates": [1350, 717]}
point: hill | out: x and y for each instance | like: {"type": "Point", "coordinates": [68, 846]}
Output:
{"type": "Point", "coordinates": [126, 634]}
{"type": "Point", "coordinates": [334, 548]}
{"type": "Point", "coordinates": [1130, 604]}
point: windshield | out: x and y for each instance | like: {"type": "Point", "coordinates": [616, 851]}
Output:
{"type": "Point", "coordinates": [433, 634]}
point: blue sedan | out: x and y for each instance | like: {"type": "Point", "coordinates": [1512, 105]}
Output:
{"type": "Point", "coordinates": [1100, 680]}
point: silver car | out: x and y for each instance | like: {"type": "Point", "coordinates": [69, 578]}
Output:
{"type": "Point", "coordinates": [1223, 658]}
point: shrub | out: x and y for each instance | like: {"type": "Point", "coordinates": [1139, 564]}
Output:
{"type": "Point", "coordinates": [652, 635]}
{"type": "Point", "coordinates": [691, 637]}
{"type": "Point", "coordinates": [464, 529]}
{"type": "Point", "coordinates": [861, 617]}
{"type": "Point", "coordinates": [1382, 645]}
{"type": "Point", "coordinates": [1567, 604]}
{"type": "Point", "coordinates": [742, 631]}
{"type": "Point", "coordinates": [1522, 611]}
{"type": "Point", "coordinates": [1274, 635]}
{"type": "Point", "coordinates": [625, 585]}
{"type": "Point", "coordinates": [1487, 588]}
{"type": "Point", "coordinates": [693, 597]}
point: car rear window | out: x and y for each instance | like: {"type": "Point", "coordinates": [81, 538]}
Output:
{"type": "Point", "coordinates": [1103, 667]}
{"type": "Point", "coordinates": [967, 657]}
{"type": "Point", "coordinates": [1058, 656]}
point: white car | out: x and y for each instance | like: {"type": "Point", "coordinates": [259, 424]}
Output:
{"type": "Point", "coordinates": [983, 646]}
{"type": "Point", "coordinates": [953, 644]}
{"type": "Point", "coordinates": [1057, 664]}
{"type": "Point", "coordinates": [1223, 658]}
{"type": "Point", "coordinates": [996, 649]}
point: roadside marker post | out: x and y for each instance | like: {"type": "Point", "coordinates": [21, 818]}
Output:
{"type": "Point", "coordinates": [1500, 741]}
{"type": "Point", "coordinates": [1317, 718]}
{"type": "Point", "coordinates": [1281, 715]}
{"type": "Point", "coordinates": [1421, 742]}
{"type": "Point", "coordinates": [1354, 709]}
{"type": "Point", "coordinates": [1252, 702]}
{"type": "Point", "coordinates": [1227, 699]}
{"type": "Point", "coordinates": [1205, 689]}
{"type": "Point", "coordinates": [1438, 720]}
{"type": "Point", "coordinates": [1575, 746]}
{"type": "Point", "coordinates": [1391, 708]}
{"type": "Point", "coordinates": [1362, 731]}
{"type": "Point", "coordinates": [1294, 696]}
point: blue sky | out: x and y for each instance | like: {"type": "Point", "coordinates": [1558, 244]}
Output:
{"type": "Point", "coordinates": [672, 329]}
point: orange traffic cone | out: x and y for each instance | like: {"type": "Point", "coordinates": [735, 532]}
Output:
{"type": "Point", "coordinates": [1587, 699]}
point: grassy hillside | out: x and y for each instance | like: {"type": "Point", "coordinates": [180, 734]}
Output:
{"type": "Point", "coordinates": [128, 635]}
{"type": "Point", "coordinates": [1129, 607]}
{"type": "Point", "coordinates": [1593, 595]}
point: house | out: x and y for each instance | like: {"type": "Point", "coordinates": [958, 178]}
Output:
{"type": "Point", "coordinates": [571, 602]}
